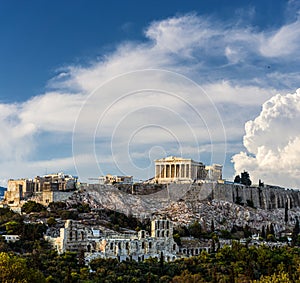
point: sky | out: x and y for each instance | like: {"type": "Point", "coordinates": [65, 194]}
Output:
{"type": "Point", "coordinates": [98, 87]}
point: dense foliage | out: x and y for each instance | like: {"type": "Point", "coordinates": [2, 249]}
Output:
{"type": "Point", "coordinates": [31, 259]}
{"type": "Point", "coordinates": [236, 264]}
{"type": "Point", "coordinates": [243, 179]}
{"type": "Point", "coordinates": [32, 206]}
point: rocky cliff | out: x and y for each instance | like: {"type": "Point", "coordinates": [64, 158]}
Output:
{"type": "Point", "coordinates": [185, 203]}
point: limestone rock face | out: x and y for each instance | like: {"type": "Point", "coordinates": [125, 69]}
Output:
{"type": "Point", "coordinates": [269, 197]}
{"type": "Point", "coordinates": [207, 202]}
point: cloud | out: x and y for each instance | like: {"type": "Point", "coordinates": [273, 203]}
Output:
{"type": "Point", "coordinates": [282, 42]}
{"type": "Point", "coordinates": [124, 105]}
{"type": "Point", "coordinates": [272, 140]}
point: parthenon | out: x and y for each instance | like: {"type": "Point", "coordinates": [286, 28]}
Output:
{"type": "Point", "coordinates": [172, 169]}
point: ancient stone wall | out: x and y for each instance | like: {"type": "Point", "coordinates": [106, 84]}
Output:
{"type": "Point", "coordinates": [267, 197]}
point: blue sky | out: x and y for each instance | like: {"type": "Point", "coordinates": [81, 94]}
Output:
{"type": "Point", "coordinates": [66, 66]}
{"type": "Point", "coordinates": [38, 37]}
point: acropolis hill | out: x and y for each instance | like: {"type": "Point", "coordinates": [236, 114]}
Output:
{"type": "Point", "coordinates": [182, 189]}
{"type": "Point", "coordinates": [175, 178]}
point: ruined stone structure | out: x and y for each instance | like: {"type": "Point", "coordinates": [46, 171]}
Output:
{"type": "Point", "coordinates": [18, 190]}
{"type": "Point", "coordinates": [54, 182]}
{"type": "Point", "coordinates": [214, 172]}
{"type": "Point", "coordinates": [192, 247]}
{"type": "Point", "coordinates": [111, 179]}
{"type": "Point", "coordinates": [99, 243]}
{"type": "Point", "coordinates": [172, 169]}
{"type": "Point", "coordinates": [43, 189]}
{"type": "Point", "coordinates": [267, 197]}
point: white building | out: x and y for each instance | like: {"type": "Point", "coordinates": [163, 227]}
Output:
{"type": "Point", "coordinates": [177, 169]}
{"type": "Point", "coordinates": [96, 243]}
{"type": "Point", "coordinates": [11, 238]}
{"type": "Point", "coordinates": [214, 172]}
{"type": "Point", "coordinates": [111, 179]}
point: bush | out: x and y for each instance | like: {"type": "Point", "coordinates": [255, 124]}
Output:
{"type": "Point", "coordinates": [32, 206]}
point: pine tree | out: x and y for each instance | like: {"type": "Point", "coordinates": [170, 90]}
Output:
{"type": "Point", "coordinates": [296, 232]}
{"type": "Point", "coordinates": [263, 232]}
{"type": "Point", "coordinates": [272, 230]}
{"type": "Point", "coordinates": [237, 179]}
{"type": "Point", "coordinates": [286, 213]}
{"type": "Point", "coordinates": [245, 178]}
{"type": "Point", "coordinates": [212, 226]}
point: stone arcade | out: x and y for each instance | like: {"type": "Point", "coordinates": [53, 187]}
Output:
{"type": "Point", "coordinates": [108, 244]}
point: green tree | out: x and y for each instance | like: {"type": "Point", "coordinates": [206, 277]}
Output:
{"type": "Point", "coordinates": [286, 212]}
{"type": "Point", "coordinates": [13, 227]}
{"type": "Point", "coordinates": [237, 179]}
{"type": "Point", "coordinates": [282, 277]}
{"type": "Point", "coordinates": [13, 269]}
{"type": "Point", "coordinates": [195, 229]}
{"type": "Point", "coordinates": [295, 232]}
{"type": "Point", "coordinates": [263, 232]}
{"type": "Point", "coordinates": [212, 226]}
{"type": "Point", "coordinates": [32, 206]}
{"type": "Point", "coordinates": [245, 179]}
{"type": "Point", "coordinates": [51, 221]}
{"type": "Point", "coordinates": [177, 239]}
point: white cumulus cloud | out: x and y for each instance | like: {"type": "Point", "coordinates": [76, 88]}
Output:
{"type": "Point", "coordinates": [272, 140]}
{"type": "Point", "coordinates": [227, 60]}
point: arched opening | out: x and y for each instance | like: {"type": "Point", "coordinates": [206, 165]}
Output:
{"type": "Point", "coordinates": [163, 233]}
{"type": "Point", "coordinates": [111, 246]}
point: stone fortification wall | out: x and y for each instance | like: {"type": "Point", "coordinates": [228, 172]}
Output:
{"type": "Point", "coordinates": [267, 197]}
